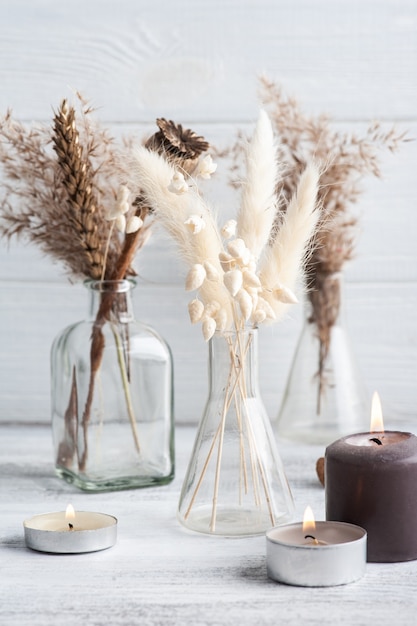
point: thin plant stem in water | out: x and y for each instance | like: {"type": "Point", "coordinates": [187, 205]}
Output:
{"type": "Point", "coordinates": [126, 389]}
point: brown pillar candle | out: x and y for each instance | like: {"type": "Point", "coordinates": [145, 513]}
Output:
{"type": "Point", "coordinates": [371, 481]}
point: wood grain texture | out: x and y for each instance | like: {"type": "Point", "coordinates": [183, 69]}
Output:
{"type": "Point", "coordinates": [160, 574]}
{"type": "Point", "coordinates": [381, 323]}
{"type": "Point", "coordinates": [143, 59]}
{"type": "Point", "coordinates": [198, 63]}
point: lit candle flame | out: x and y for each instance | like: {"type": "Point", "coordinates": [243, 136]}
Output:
{"type": "Point", "coordinates": [309, 524]}
{"type": "Point", "coordinates": [70, 513]}
{"type": "Point", "coordinates": [377, 422]}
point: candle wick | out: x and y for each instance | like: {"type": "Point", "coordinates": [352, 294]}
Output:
{"type": "Point", "coordinates": [376, 440]}
{"type": "Point", "coordinates": [71, 526]}
{"type": "Point", "coordinates": [311, 537]}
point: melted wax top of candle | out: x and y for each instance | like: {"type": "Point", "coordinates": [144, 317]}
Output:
{"type": "Point", "coordinates": [377, 439]}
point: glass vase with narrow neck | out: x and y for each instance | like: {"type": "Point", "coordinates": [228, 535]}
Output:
{"type": "Point", "coordinates": [235, 483]}
{"type": "Point", "coordinates": [325, 397]}
{"type": "Point", "coordinates": [112, 397]}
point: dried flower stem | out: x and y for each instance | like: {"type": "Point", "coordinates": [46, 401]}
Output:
{"type": "Point", "coordinates": [126, 387]}
{"type": "Point", "coordinates": [236, 393]}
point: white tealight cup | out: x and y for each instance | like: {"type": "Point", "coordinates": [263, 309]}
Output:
{"type": "Point", "coordinates": [337, 556]}
{"type": "Point", "coordinates": [86, 532]}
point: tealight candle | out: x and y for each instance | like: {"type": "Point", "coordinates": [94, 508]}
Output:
{"type": "Point", "coordinates": [371, 480]}
{"type": "Point", "coordinates": [70, 532]}
{"type": "Point", "coordinates": [316, 554]}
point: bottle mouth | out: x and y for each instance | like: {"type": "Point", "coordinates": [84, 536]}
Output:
{"type": "Point", "coordinates": [235, 331]}
{"type": "Point", "coordinates": [114, 286]}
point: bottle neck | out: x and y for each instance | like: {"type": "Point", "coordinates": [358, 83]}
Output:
{"type": "Point", "coordinates": [111, 300]}
{"type": "Point", "coordinates": [234, 355]}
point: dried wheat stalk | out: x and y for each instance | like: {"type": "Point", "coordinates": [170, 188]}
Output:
{"type": "Point", "coordinates": [77, 180]}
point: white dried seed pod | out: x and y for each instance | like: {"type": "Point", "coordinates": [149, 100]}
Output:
{"type": "Point", "coordinates": [226, 261]}
{"type": "Point", "coordinates": [229, 229]}
{"type": "Point", "coordinates": [251, 266]}
{"type": "Point", "coordinates": [236, 248]}
{"type": "Point", "coordinates": [246, 257]}
{"type": "Point", "coordinates": [208, 328]}
{"type": "Point", "coordinates": [211, 308]}
{"type": "Point", "coordinates": [121, 223]}
{"type": "Point", "coordinates": [221, 320]}
{"type": "Point", "coordinates": [195, 224]}
{"type": "Point", "coordinates": [254, 295]}
{"type": "Point", "coordinates": [195, 310]}
{"type": "Point", "coordinates": [178, 184]}
{"type": "Point", "coordinates": [245, 303]}
{"type": "Point", "coordinates": [123, 194]}
{"type": "Point", "coordinates": [284, 294]}
{"type": "Point", "coordinates": [259, 316]}
{"type": "Point", "coordinates": [233, 281]}
{"type": "Point", "coordinates": [265, 306]}
{"type": "Point", "coordinates": [195, 277]}
{"type": "Point", "coordinates": [123, 207]}
{"type": "Point", "coordinates": [133, 224]}
{"type": "Point", "coordinates": [250, 279]}
{"type": "Point", "coordinates": [206, 167]}
{"type": "Point", "coordinates": [211, 271]}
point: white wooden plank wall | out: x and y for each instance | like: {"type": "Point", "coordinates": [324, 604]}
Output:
{"type": "Point", "coordinates": [198, 62]}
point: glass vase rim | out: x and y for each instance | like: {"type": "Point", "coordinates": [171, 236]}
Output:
{"type": "Point", "coordinates": [122, 285]}
{"type": "Point", "coordinates": [234, 331]}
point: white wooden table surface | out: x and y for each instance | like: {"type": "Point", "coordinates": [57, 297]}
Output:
{"type": "Point", "coordinates": [160, 574]}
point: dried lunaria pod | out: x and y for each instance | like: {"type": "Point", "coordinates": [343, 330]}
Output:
{"type": "Point", "coordinates": [195, 277]}
{"type": "Point", "coordinates": [195, 310]}
{"type": "Point", "coordinates": [195, 224]}
{"type": "Point", "coordinates": [209, 328]}
{"type": "Point", "coordinates": [212, 272]}
{"type": "Point", "coordinates": [250, 279]}
{"type": "Point", "coordinates": [178, 184]}
{"type": "Point", "coordinates": [229, 229]}
{"type": "Point", "coordinates": [233, 281]}
{"type": "Point", "coordinates": [284, 294]}
{"type": "Point", "coordinates": [245, 303]}
{"type": "Point", "coordinates": [226, 261]}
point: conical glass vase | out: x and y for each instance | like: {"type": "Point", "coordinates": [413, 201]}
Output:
{"type": "Point", "coordinates": [325, 397]}
{"type": "Point", "coordinates": [112, 397]}
{"type": "Point", "coordinates": [235, 483]}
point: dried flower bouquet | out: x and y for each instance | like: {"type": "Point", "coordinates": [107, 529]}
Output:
{"type": "Point", "coordinates": [244, 273]}
{"type": "Point", "coordinates": [64, 189]}
{"type": "Point", "coordinates": [346, 159]}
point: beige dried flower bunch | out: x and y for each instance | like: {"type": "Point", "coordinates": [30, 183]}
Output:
{"type": "Point", "coordinates": [347, 158]}
{"type": "Point", "coordinates": [245, 271]}
{"type": "Point", "coordinates": [64, 189]}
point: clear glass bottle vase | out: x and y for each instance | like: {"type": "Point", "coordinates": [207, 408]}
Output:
{"type": "Point", "coordinates": [235, 483]}
{"type": "Point", "coordinates": [325, 397]}
{"type": "Point", "coordinates": [112, 397]}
